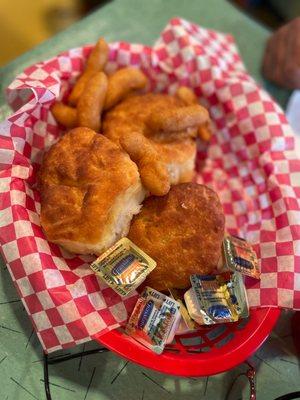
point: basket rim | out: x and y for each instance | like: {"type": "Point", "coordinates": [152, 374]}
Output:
{"type": "Point", "coordinates": [245, 342]}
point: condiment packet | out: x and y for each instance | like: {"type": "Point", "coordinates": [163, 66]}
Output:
{"type": "Point", "coordinates": [238, 294]}
{"type": "Point", "coordinates": [193, 306]}
{"type": "Point", "coordinates": [239, 256]}
{"type": "Point", "coordinates": [123, 267]}
{"type": "Point", "coordinates": [154, 320]}
{"type": "Point", "coordinates": [178, 295]}
{"type": "Point", "coordinates": [213, 299]}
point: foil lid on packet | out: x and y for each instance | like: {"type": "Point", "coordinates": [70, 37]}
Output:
{"type": "Point", "coordinates": [190, 323]}
{"type": "Point", "coordinates": [154, 320]}
{"type": "Point", "coordinates": [216, 303]}
{"type": "Point", "coordinates": [193, 306]}
{"type": "Point", "coordinates": [238, 294]}
{"type": "Point", "coordinates": [239, 256]}
{"type": "Point", "coordinates": [123, 267]}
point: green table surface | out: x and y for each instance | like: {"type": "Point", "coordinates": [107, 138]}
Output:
{"type": "Point", "coordinates": [107, 376]}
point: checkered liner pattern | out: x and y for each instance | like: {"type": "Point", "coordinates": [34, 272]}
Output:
{"type": "Point", "coordinates": [250, 163]}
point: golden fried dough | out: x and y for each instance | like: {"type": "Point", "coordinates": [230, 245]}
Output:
{"type": "Point", "coordinates": [91, 102]}
{"type": "Point", "coordinates": [177, 119]}
{"type": "Point", "coordinates": [186, 94]}
{"type": "Point", "coordinates": [131, 115]}
{"type": "Point", "coordinates": [188, 97]}
{"type": "Point", "coordinates": [205, 131]}
{"type": "Point", "coordinates": [182, 232]}
{"type": "Point", "coordinates": [95, 63]}
{"type": "Point", "coordinates": [154, 174]}
{"type": "Point", "coordinates": [65, 115]}
{"type": "Point", "coordinates": [123, 82]}
{"type": "Point", "coordinates": [90, 189]}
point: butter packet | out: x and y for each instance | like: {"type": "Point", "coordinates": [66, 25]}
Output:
{"type": "Point", "coordinates": [154, 320]}
{"type": "Point", "coordinates": [213, 299]}
{"type": "Point", "coordinates": [123, 267]}
{"type": "Point", "coordinates": [239, 256]}
{"type": "Point", "coordinates": [190, 323]}
{"type": "Point", "coordinates": [193, 306]}
{"type": "Point", "coordinates": [238, 294]}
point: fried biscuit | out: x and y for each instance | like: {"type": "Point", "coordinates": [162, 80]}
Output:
{"type": "Point", "coordinates": [90, 189]}
{"type": "Point", "coordinates": [182, 231]}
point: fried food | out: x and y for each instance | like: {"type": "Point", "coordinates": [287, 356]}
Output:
{"type": "Point", "coordinates": [65, 115]}
{"type": "Point", "coordinates": [205, 131]}
{"type": "Point", "coordinates": [176, 152]}
{"type": "Point", "coordinates": [182, 231]}
{"type": "Point", "coordinates": [91, 102]}
{"type": "Point", "coordinates": [123, 82]}
{"type": "Point", "coordinates": [154, 174]}
{"type": "Point", "coordinates": [157, 131]}
{"type": "Point", "coordinates": [188, 97]}
{"type": "Point", "coordinates": [95, 63]}
{"type": "Point", "coordinates": [185, 94]}
{"type": "Point", "coordinates": [90, 189]}
{"type": "Point", "coordinates": [177, 119]}
{"type": "Point", "coordinates": [90, 88]}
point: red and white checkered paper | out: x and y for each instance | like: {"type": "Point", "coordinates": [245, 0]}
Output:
{"type": "Point", "coordinates": [250, 163]}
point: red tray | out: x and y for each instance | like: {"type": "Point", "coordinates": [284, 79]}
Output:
{"type": "Point", "coordinates": [205, 352]}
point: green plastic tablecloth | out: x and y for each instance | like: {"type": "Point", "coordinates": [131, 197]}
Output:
{"type": "Point", "coordinates": [107, 376]}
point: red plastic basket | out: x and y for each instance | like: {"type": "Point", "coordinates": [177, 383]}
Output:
{"type": "Point", "coordinates": [205, 352]}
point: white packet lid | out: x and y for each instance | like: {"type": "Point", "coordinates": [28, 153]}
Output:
{"type": "Point", "coordinates": [154, 320]}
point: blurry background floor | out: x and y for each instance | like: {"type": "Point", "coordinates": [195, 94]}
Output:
{"type": "Point", "coordinates": [26, 23]}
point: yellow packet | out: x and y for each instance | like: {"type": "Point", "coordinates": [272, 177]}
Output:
{"type": "Point", "coordinates": [123, 267]}
{"type": "Point", "coordinates": [239, 256]}
{"type": "Point", "coordinates": [178, 295]}
{"type": "Point", "coordinates": [214, 300]}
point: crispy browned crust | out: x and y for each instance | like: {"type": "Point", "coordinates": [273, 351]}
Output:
{"type": "Point", "coordinates": [79, 180]}
{"type": "Point", "coordinates": [182, 232]}
{"type": "Point", "coordinates": [91, 101]}
{"type": "Point", "coordinates": [153, 171]}
{"type": "Point", "coordinates": [123, 82]}
{"type": "Point", "coordinates": [131, 116]}
{"type": "Point", "coordinates": [95, 63]}
{"type": "Point", "coordinates": [177, 119]}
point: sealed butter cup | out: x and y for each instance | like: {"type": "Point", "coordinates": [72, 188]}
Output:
{"type": "Point", "coordinates": [214, 300]}
{"type": "Point", "coordinates": [154, 320]}
{"type": "Point", "coordinates": [239, 256]}
{"type": "Point", "coordinates": [193, 307]}
{"type": "Point", "coordinates": [190, 323]}
{"type": "Point", "coordinates": [123, 267]}
{"type": "Point", "coordinates": [238, 294]}
{"type": "Point", "coordinates": [217, 298]}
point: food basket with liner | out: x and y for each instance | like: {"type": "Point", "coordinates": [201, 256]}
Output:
{"type": "Point", "coordinates": [250, 163]}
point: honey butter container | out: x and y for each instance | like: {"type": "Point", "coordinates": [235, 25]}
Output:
{"type": "Point", "coordinates": [239, 256]}
{"type": "Point", "coordinates": [123, 267]}
{"type": "Point", "coordinates": [216, 298]}
{"type": "Point", "coordinates": [154, 320]}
